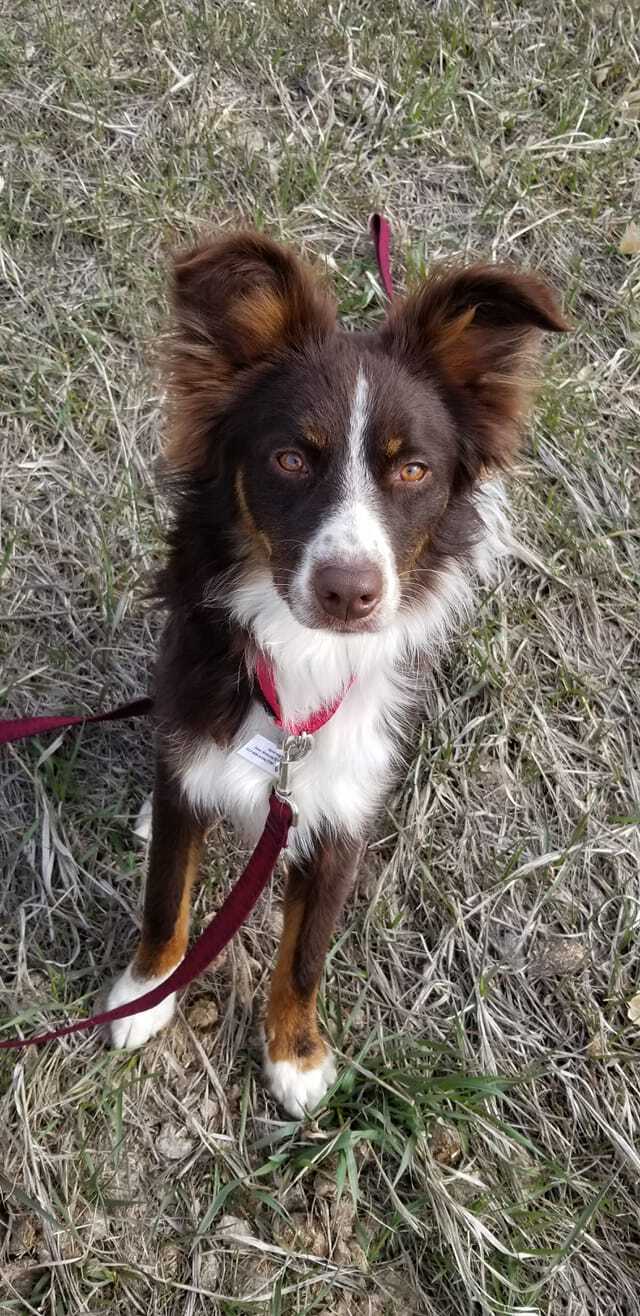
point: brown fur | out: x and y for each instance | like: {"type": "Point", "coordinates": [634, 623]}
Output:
{"type": "Point", "coordinates": [176, 844]}
{"type": "Point", "coordinates": [256, 365]}
{"type": "Point", "coordinates": [259, 540]}
{"type": "Point", "coordinates": [316, 893]}
{"type": "Point", "coordinates": [478, 330]}
{"type": "Point", "coordinates": [156, 958]}
{"type": "Point", "coordinates": [317, 437]}
{"type": "Point", "coordinates": [291, 1027]}
{"type": "Point", "coordinates": [392, 446]}
{"type": "Point", "coordinates": [238, 300]}
{"type": "Point", "coordinates": [261, 317]}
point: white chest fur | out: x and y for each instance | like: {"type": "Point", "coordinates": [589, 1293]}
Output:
{"type": "Point", "coordinates": [338, 788]}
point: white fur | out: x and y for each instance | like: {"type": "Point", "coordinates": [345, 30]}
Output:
{"type": "Point", "coordinates": [339, 786]}
{"type": "Point", "coordinates": [357, 425]}
{"type": "Point", "coordinates": [342, 783]}
{"type": "Point", "coordinates": [298, 1090]}
{"type": "Point", "coordinates": [490, 502]}
{"type": "Point", "coordinates": [127, 1034]}
{"type": "Point", "coordinates": [354, 531]}
{"type": "Point", "coordinates": [142, 826]}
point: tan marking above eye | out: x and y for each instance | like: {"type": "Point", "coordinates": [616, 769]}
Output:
{"type": "Point", "coordinates": [413, 472]}
{"type": "Point", "coordinates": [314, 435]}
{"type": "Point", "coordinates": [291, 462]}
{"type": "Point", "coordinates": [393, 445]}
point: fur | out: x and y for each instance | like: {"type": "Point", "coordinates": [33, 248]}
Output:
{"type": "Point", "coordinates": [299, 455]}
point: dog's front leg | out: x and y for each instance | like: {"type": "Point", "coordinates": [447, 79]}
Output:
{"type": "Point", "coordinates": [176, 844]}
{"type": "Point", "coordinates": [299, 1066]}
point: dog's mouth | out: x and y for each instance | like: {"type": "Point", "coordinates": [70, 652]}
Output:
{"type": "Point", "coordinates": [341, 626]}
{"type": "Point", "coordinates": [315, 618]}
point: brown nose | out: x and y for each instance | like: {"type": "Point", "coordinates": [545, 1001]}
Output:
{"type": "Point", "coordinates": [348, 593]}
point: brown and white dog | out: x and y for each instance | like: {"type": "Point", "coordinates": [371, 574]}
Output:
{"type": "Point", "coordinates": [336, 498]}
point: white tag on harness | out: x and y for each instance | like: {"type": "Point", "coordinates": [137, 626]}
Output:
{"type": "Point", "coordinates": [262, 753]}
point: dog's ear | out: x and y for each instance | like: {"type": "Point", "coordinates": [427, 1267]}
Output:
{"type": "Point", "coordinates": [475, 332]}
{"type": "Point", "coordinates": [238, 302]}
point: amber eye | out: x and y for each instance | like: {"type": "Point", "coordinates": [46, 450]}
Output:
{"type": "Point", "coordinates": [413, 472]}
{"type": "Point", "coordinates": [291, 462]}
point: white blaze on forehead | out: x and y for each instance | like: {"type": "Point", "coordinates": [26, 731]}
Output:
{"type": "Point", "coordinates": [353, 530]}
{"type": "Point", "coordinates": [357, 477]}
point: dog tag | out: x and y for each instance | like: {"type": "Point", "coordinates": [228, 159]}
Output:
{"type": "Point", "coordinates": [262, 753]}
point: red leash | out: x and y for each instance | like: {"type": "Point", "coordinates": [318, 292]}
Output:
{"type": "Point", "coordinates": [252, 881]}
{"type": "Point", "coordinates": [234, 912]}
{"type": "Point", "coordinates": [24, 728]}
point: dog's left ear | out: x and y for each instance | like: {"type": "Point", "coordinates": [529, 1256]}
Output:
{"type": "Point", "coordinates": [239, 302]}
{"type": "Point", "coordinates": [475, 332]}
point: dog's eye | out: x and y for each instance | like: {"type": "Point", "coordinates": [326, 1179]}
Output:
{"type": "Point", "coordinates": [291, 462]}
{"type": "Point", "coordinates": [413, 472]}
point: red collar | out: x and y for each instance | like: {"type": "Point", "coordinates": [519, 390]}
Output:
{"type": "Point", "coordinates": [265, 679]}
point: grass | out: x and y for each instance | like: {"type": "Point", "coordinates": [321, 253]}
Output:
{"type": "Point", "coordinates": [478, 1153]}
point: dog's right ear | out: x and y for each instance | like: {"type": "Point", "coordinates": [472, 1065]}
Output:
{"type": "Point", "coordinates": [238, 301]}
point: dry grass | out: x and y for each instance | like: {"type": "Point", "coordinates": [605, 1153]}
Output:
{"type": "Point", "coordinates": [478, 1156]}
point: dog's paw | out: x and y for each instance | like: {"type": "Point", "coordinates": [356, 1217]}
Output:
{"type": "Point", "coordinates": [298, 1090]}
{"type": "Point", "coordinates": [127, 1034]}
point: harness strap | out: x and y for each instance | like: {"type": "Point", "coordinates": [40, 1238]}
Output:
{"type": "Point", "coordinates": [310, 724]}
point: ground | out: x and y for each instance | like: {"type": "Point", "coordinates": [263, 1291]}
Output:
{"type": "Point", "coordinates": [478, 1154]}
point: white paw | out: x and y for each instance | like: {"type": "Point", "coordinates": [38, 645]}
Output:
{"type": "Point", "coordinates": [142, 827]}
{"type": "Point", "coordinates": [298, 1090]}
{"type": "Point", "coordinates": [126, 1034]}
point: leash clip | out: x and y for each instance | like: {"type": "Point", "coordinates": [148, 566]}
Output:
{"type": "Point", "coordinates": [294, 749]}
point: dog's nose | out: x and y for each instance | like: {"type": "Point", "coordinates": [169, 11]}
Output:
{"type": "Point", "coordinates": [349, 592]}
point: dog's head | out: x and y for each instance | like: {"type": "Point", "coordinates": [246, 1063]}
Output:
{"type": "Point", "coordinates": [342, 465]}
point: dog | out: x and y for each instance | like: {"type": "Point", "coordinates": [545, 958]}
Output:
{"type": "Point", "coordinates": [336, 498]}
